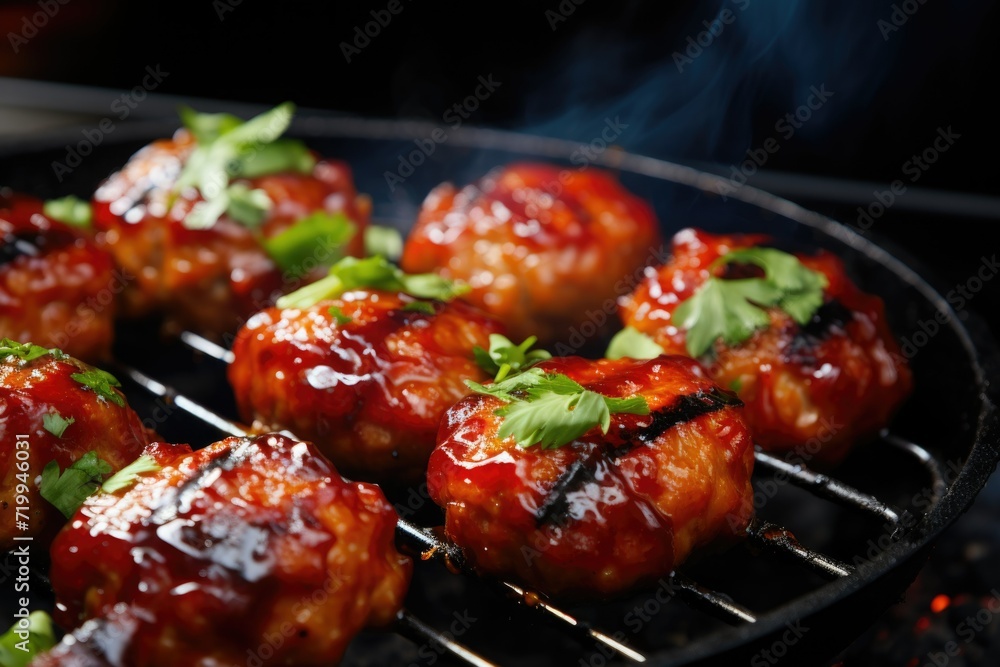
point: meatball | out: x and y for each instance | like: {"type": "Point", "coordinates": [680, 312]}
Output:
{"type": "Point", "coordinates": [211, 280]}
{"type": "Point", "coordinates": [249, 549]}
{"type": "Point", "coordinates": [607, 512]}
{"type": "Point", "coordinates": [810, 390]}
{"type": "Point", "coordinates": [544, 249]}
{"type": "Point", "coordinates": [366, 376]}
{"type": "Point", "coordinates": [48, 415]}
{"type": "Point", "coordinates": [56, 286]}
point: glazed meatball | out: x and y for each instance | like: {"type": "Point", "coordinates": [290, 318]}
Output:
{"type": "Point", "coordinates": [56, 286]}
{"type": "Point", "coordinates": [811, 389]}
{"type": "Point", "coordinates": [48, 415]}
{"type": "Point", "coordinates": [251, 548]}
{"type": "Point", "coordinates": [544, 249]}
{"type": "Point", "coordinates": [366, 376]}
{"type": "Point", "coordinates": [211, 280]}
{"type": "Point", "coordinates": [607, 512]}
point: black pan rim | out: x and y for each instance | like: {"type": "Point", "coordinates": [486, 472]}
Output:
{"type": "Point", "coordinates": [976, 340]}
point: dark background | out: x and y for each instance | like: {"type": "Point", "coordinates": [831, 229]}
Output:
{"type": "Point", "coordinates": [564, 68]}
{"type": "Point", "coordinates": [892, 87]}
{"type": "Point", "coordinates": [900, 73]}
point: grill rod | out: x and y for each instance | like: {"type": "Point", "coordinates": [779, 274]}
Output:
{"type": "Point", "coordinates": [407, 624]}
{"type": "Point", "coordinates": [827, 487]}
{"type": "Point", "coordinates": [429, 545]}
{"type": "Point", "coordinates": [769, 537]}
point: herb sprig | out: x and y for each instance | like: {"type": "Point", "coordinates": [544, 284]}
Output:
{"type": "Point", "coordinates": [734, 309]}
{"type": "Point", "coordinates": [504, 357]}
{"type": "Point", "coordinates": [374, 272]}
{"type": "Point", "coordinates": [21, 643]}
{"type": "Point", "coordinates": [101, 383]}
{"type": "Point", "coordinates": [26, 351]}
{"type": "Point", "coordinates": [70, 210]}
{"type": "Point", "coordinates": [552, 409]}
{"type": "Point", "coordinates": [67, 490]}
{"type": "Point", "coordinates": [229, 148]}
{"type": "Point", "coordinates": [632, 343]}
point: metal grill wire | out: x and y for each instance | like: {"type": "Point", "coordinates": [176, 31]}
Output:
{"type": "Point", "coordinates": [771, 540]}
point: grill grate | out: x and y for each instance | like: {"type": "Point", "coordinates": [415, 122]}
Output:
{"type": "Point", "coordinates": [769, 539]}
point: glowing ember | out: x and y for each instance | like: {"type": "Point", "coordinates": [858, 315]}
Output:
{"type": "Point", "coordinates": [940, 603]}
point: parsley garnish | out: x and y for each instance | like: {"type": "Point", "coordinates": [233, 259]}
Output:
{"type": "Point", "coordinates": [733, 309]}
{"type": "Point", "coordinates": [338, 315]}
{"type": "Point", "coordinates": [102, 383]}
{"type": "Point", "coordinates": [551, 409]}
{"type": "Point", "coordinates": [68, 490]}
{"type": "Point", "coordinates": [246, 206]}
{"type": "Point", "coordinates": [504, 357]}
{"type": "Point", "coordinates": [56, 424]}
{"type": "Point", "coordinates": [630, 342]}
{"type": "Point", "coordinates": [85, 476]}
{"type": "Point", "coordinates": [26, 351]}
{"type": "Point", "coordinates": [20, 644]}
{"type": "Point", "coordinates": [384, 241]}
{"type": "Point", "coordinates": [70, 210]}
{"type": "Point", "coordinates": [425, 307]}
{"type": "Point", "coordinates": [374, 272]}
{"type": "Point", "coordinates": [229, 148]}
{"type": "Point", "coordinates": [128, 475]}
{"type": "Point", "coordinates": [319, 234]}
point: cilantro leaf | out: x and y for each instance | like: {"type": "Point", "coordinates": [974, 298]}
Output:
{"type": "Point", "coordinates": [128, 475]}
{"type": "Point", "coordinates": [552, 409]}
{"type": "Point", "coordinates": [101, 382]}
{"type": "Point", "coordinates": [374, 272]}
{"type": "Point", "coordinates": [507, 389]}
{"type": "Point", "coordinates": [56, 424]}
{"type": "Point", "coordinates": [384, 241]}
{"type": "Point", "coordinates": [207, 127]}
{"type": "Point", "coordinates": [553, 419]}
{"type": "Point", "coordinates": [504, 356]}
{"type": "Point", "coordinates": [733, 309]}
{"type": "Point", "coordinates": [318, 234]}
{"type": "Point", "coordinates": [68, 490]}
{"type": "Point", "coordinates": [273, 158]}
{"type": "Point", "coordinates": [246, 206]}
{"type": "Point", "coordinates": [229, 148]}
{"type": "Point", "coordinates": [70, 210]}
{"type": "Point", "coordinates": [425, 307]}
{"type": "Point", "coordinates": [630, 342]}
{"type": "Point", "coordinates": [26, 351]}
{"type": "Point", "coordinates": [21, 643]}
{"type": "Point", "coordinates": [339, 315]}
